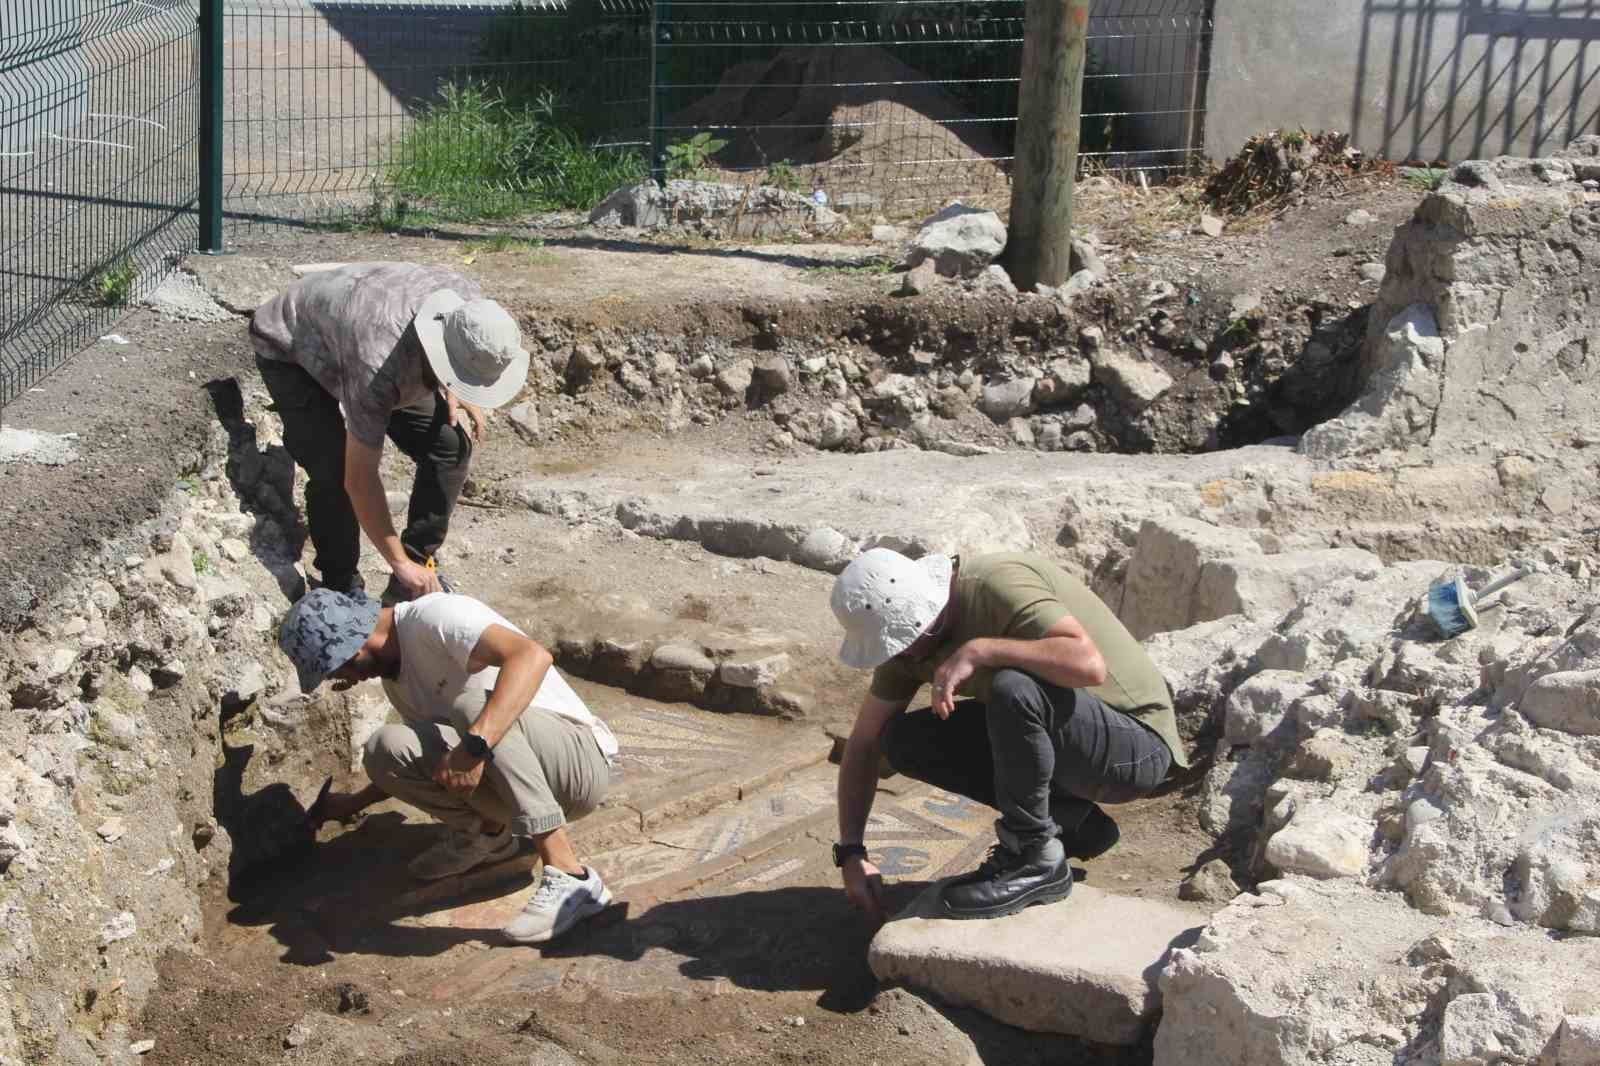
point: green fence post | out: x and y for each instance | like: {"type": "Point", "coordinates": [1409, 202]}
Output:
{"type": "Point", "coordinates": [660, 40]}
{"type": "Point", "coordinates": [211, 126]}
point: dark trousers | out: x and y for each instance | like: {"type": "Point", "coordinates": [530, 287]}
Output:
{"type": "Point", "coordinates": [314, 434]}
{"type": "Point", "coordinates": [1040, 754]}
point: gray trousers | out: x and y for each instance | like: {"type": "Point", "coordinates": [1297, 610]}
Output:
{"type": "Point", "coordinates": [1040, 754]}
{"type": "Point", "coordinates": [547, 770]}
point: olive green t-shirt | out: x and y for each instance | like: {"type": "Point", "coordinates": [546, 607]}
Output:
{"type": "Point", "coordinates": [1020, 596]}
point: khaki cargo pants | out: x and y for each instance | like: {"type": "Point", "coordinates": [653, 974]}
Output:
{"type": "Point", "coordinates": [547, 770]}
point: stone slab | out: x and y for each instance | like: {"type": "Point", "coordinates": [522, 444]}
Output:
{"type": "Point", "coordinates": [1085, 966]}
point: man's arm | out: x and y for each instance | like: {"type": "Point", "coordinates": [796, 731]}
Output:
{"type": "Point", "coordinates": [364, 486]}
{"type": "Point", "coordinates": [858, 786]}
{"type": "Point", "coordinates": [523, 664]}
{"type": "Point", "coordinates": [1066, 656]}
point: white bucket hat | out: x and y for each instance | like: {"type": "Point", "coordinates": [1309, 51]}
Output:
{"type": "Point", "coordinates": [474, 348]}
{"type": "Point", "coordinates": [885, 601]}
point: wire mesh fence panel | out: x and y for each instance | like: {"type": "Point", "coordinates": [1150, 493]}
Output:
{"type": "Point", "coordinates": [473, 110]}
{"type": "Point", "coordinates": [98, 168]}
{"type": "Point", "coordinates": [891, 104]}
{"type": "Point", "coordinates": [1144, 85]}
{"type": "Point", "coordinates": [868, 103]}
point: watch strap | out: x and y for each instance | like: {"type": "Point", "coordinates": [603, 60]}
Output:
{"type": "Point", "coordinates": [843, 853]}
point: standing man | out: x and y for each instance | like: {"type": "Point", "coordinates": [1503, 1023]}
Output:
{"type": "Point", "coordinates": [403, 350]}
{"type": "Point", "coordinates": [495, 743]}
{"type": "Point", "coordinates": [1044, 706]}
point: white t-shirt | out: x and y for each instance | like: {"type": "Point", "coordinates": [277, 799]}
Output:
{"type": "Point", "coordinates": [437, 635]}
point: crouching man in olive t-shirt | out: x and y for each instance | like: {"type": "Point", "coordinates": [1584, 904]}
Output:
{"type": "Point", "coordinates": [1044, 706]}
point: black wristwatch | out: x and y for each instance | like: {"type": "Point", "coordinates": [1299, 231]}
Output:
{"type": "Point", "coordinates": [843, 853]}
{"type": "Point", "coordinates": [477, 747]}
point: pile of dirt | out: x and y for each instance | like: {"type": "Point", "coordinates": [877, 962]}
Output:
{"type": "Point", "coordinates": [849, 119]}
{"type": "Point", "coordinates": [1274, 167]}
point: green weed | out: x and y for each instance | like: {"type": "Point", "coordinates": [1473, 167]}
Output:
{"type": "Point", "coordinates": [475, 155]}
{"type": "Point", "coordinates": [202, 562]}
{"type": "Point", "coordinates": [870, 267]}
{"type": "Point", "coordinates": [782, 175]}
{"type": "Point", "coordinates": [687, 159]}
{"type": "Point", "coordinates": [532, 247]}
{"type": "Point", "coordinates": [1426, 179]}
{"type": "Point", "coordinates": [112, 285]}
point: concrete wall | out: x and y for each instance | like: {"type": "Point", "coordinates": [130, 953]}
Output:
{"type": "Point", "coordinates": [1409, 79]}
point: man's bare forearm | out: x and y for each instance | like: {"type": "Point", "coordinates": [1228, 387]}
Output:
{"type": "Point", "coordinates": [364, 485]}
{"type": "Point", "coordinates": [518, 683]}
{"type": "Point", "coordinates": [858, 787]}
{"type": "Point", "coordinates": [1063, 661]}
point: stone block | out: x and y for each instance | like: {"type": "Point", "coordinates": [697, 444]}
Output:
{"type": "Point", "coordinates": [960, 240]}
{"type": "Point", "coordinates": [1258, 585]}
{"type": "Point", "coordinates": [1055, 968]}
{"type": "Point", "coordinates": [754, 669]}
{"type": "Point", "coordinates": [1163, 575]}
{"type": "Point", "coordinates": [1321, 841]}
{"type": "Point", "coordinates": [1568, 700]}
{"type": "Point", "coordinates": [1135, 384]}
{"type": "Point", "coordinates": [1257, 711]}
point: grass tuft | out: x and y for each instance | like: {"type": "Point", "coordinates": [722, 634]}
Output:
{"type": "Point", "coordinates": [474, 155]}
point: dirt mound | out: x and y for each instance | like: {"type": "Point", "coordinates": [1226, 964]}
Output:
{"type": "Point", "coordinates": [1272, 167]}
{"type": "Point", "coordinates": [850, 119]}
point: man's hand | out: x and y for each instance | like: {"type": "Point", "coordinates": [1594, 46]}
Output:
{"type": "Point", "coordinates": [458, 772]}
{"type": "Point", "coordinates": [416, 580]}
{"type": "Point", "coordinates": [454, 407]}
{"type": "Point", "coordinates": [863, 885]}
{"type": "Point", "coordinates": [951, 674]}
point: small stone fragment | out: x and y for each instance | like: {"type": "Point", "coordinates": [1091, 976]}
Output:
{"type": "Point", "coordinates": [1211, 883]}
{"type": "Point", "coordinates": [112, 830]}
{"type": "Point", "coordinates": [1210, 225]}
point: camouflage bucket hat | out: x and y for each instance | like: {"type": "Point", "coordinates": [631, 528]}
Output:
{"type": "Point", "coordinates": [324, 630]}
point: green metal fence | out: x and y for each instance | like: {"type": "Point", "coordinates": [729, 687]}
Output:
{"type": "Point", "coordinates": [132, 131]}
{"type": "Point", "coordinates": [98, 128]}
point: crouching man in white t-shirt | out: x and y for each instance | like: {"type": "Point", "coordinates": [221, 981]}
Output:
{"type": "Point", "coordinates": [495, 743]}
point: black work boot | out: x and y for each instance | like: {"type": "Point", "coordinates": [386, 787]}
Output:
{"type": "Point", "coordinates": [1094, 834]}
{"type": "Point", "coordinates": [1010, 879]}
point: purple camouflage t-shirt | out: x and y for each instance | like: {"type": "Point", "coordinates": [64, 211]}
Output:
{"type": "Point", "coordinates": [343, 327]}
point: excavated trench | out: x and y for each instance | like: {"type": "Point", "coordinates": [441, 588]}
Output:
{"type": "Point", "coordinates": [659, 521]}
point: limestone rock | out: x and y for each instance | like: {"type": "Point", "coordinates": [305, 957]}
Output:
{"type": "Point", "coordinates": [1321, 841]}
{"type": "Point", "coordinates": [1007, 399]}
{"type": "Point", "coordinates": [960, 240]}
{"type": "Point", "coordinates": [1271, 584]}
{"type": "Point", "coordinates": [753, 669]}
{"type": "Point", "coordinates": [1013, 968]}
{"type": "Point", "coordinates": [1085, 257]}
{"type": "Point", "coordinates": [919, 279]}
{"type": "Point", "coordinates": [1211, 883]}
{"type": "Point", "coordinates": [734, 379]}
{"type": "Point", "coordinates": [1164, 573]}
{"type": "Point", "coordinates": [993, 278]}
{"type": "Point", "coordinates": [1133, 383]}
{"type": "Point", "coordinates": [1233, 792]}
{"type": "Point", "coordinates": [1258, 710]}
{"type": "Point", "coordinates": [524, 419]}
{"type": "Point", "coordinates": [1565, 700]}
{"type": "Point", "coordinates": [770, 375]}
{"type": "Point", "coordinates": [1398, 407]}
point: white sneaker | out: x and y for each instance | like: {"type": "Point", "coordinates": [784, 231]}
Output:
{"type": "Point", "coordinates": [463, 850]}
{"type": "Point", "coordinates": [560, 902]}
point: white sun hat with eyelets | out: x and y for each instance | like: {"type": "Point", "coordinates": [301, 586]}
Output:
{"type": "Point", "coordinates": [885, 601]}
{"type": "Point", "coordinates": [474, 348]}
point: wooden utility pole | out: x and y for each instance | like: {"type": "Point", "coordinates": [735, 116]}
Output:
{"type": "Point", "coordinates": [1050, 104]}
